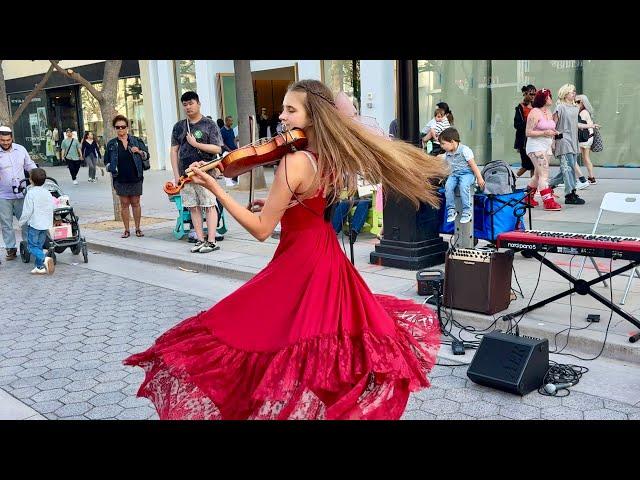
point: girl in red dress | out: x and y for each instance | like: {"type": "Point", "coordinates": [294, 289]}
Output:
{"type": "Point", "coordinates": [305, 338]}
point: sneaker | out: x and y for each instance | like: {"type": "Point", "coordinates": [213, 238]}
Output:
{"type": "Point", "coordinates": [75, 182]}
{"type": "Point", "coordinates": [209, 247]}
{"type": "Point", "coordinates": [573, 199]}
{"type": "Point", "coordinates": [49, 265]}
{"type": "Point", "coordinates": [229, 182]}
{"type": "Point", "coordinates": [12, 253]}
{"type": "Point", "coordinates": [592, 180]}
{"type": "Point", "coordinates": [197, 246]}
{"type": "Point", "coordinates": [39, 271]}
{"type": "Point", "coordinates": [465, 218]}
{"type": "Point", "coordinates": [582, 185]}
{"type": "Point", "coordinates": [451, 215]}
{"type": "Point", "coordinates": [560, 185]}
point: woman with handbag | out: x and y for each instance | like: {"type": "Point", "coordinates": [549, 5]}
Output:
{"type": "Point", "coordinates": [586, 128]}
{"type": "Point", "coordinates": [91, 154]}
{"type": "Point", "coordinates": [125, 157]}
{"type": "Point", "coordinates": [72, 154]}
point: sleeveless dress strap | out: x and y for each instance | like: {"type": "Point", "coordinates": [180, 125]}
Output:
{"type": "Point", "coordinates": [295, 202]}
{"type": "Point", "coordinates": [312, 159]}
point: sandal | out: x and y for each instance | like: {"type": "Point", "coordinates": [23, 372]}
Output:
{"type": "Point", "coordinates": [139, 233]}
{"type": "Point", "coordinates": [126, 234]}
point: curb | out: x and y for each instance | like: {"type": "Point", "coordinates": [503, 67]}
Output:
{"type": "Point", "coordinates": [581, 344]}
{"type": "Point", "coordinates": [236, 272]}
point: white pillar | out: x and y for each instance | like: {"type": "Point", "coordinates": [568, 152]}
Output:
{"type": "Point", "coordinates": [206, 76]}
{"type": "Point", "coordinates": [165, 103]}
{"type": "Point", "coordinates": [206, 81]}
{"type": "Point", "coordinates": [309, 70]}
{"type": "Point", "coordinates": [149, 80]}
{"type": "Point", "coordinates": [257, 65]}
{"type": "Point", "coordinates": [378, 91]}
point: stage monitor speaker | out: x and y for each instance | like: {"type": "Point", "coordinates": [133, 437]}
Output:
{"type": "Point", "coordinates": [478, 280]}
{"type": "Point", "coordinates": [510, 363]}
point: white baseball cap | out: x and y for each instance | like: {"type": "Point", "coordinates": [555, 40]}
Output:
{"type": "Point", "coordinates": [4, 129]}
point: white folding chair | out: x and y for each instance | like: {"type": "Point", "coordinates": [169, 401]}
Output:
{"type": "Point", "coordinates": [619, 203]}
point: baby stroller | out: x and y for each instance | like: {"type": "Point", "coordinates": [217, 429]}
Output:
{"type": "Point", "coordinates": [66, 229]}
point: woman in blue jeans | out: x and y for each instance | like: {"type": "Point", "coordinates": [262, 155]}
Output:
{"type": "Point", "coordinates": [566, 143]}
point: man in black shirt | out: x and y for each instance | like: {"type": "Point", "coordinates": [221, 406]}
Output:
{"type": "Point", "coordinates": [197, 138]}
{"type": "Point", "coordinates": [263, 123]}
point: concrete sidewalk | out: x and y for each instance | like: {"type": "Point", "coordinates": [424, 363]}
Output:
{"type": "Point", "coordinates": [241, 256]}
{"type": "Point", "coordinates": [612, 376]}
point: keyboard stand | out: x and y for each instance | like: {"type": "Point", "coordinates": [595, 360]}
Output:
{"type": "Point", "coordinates": [581, 287]}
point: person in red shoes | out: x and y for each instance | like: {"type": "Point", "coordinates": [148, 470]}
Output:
{"type": "Point", "coordinates": [305, 338]}
{"type": "Point", "coordinates": [540, 131]}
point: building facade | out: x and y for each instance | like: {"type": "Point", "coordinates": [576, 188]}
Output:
{"type": "Point", "coordinates": [482, 95]}
{"type": "Point", "coordinates": [63, 103]}
{"type": "Point", "coordinates": [370, 82]}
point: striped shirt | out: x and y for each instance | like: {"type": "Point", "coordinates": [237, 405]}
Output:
{"type": "Point", "coordinates": [440, 127]}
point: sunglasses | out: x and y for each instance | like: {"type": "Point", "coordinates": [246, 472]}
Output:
{"type": "Point", "coordinates": [121, 127]}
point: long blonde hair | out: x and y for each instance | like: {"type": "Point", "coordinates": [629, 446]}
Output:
{"type": "Point", "coordinates": [346, 149]}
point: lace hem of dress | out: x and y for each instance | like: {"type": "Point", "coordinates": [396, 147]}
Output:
{"type": "Point", "coordinates": [191, 374]}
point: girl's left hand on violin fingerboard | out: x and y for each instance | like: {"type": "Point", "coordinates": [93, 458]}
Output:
{"type": "Point", "coordinates": [201, 178]}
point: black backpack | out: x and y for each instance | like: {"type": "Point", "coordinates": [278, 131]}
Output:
{"type": "Point", "coordinates": [499, 178]}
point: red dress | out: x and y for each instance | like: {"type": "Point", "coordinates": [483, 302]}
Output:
{"type": "Point", "coordinates": [303, 339]}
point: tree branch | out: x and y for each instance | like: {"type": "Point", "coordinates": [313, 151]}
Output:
{"type": "Point", "coordinates": [30, 97]}
{"type": "Point", "coordinates": [5, 117]}
{"type": "Point", "coordinates": [78, 78]}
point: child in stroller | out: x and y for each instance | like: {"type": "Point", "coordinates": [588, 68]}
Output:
{"type": "Point", "coordinates": [65, 232]}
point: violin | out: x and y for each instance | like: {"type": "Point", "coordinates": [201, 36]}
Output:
{"type": "Point", "coordinates": [244, 159]}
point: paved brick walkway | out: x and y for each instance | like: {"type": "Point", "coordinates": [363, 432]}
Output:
{"type": "Point", "coordinates": [63, 339]}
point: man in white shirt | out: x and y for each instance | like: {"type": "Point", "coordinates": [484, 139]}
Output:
{"type": "Point", "coordinates": [14, 161]}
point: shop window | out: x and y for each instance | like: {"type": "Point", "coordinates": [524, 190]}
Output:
{"type": "Point", "coordinates": [185, 76]}
{"type": "Point", "coordinates": [343, 76]}
{"type": "Point", "coordinates": [462, 84]}
{"type": "Point", "coordinates": [129, 102]}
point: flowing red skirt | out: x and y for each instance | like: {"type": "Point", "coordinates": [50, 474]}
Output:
{"type": "Point", "coordinates": [304, 339]}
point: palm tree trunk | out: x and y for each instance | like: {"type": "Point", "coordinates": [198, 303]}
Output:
{"type": "Point", "coordinates": [246, 107]}
{"type": "Point", "coordinates": [108, 111]}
